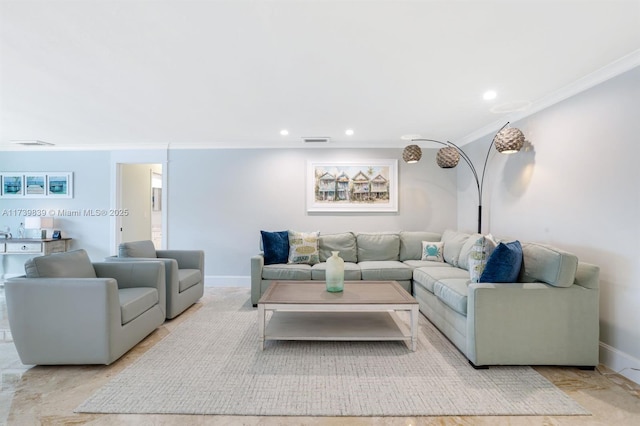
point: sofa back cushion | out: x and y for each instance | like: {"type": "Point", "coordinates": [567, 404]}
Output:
{"type": "Point", "coordinates": [378, 246]}
{"type": "Point", "coordinates": [344, 242]}
{"type": "Point", "coordinates": [453, 242]}
{"type": "Point", "coordinates": [411, 243]}
{"type": "Point", "coordinates": [137, 249]}
{"type": "Point", "coordinates": [71, 264]}
{"type": "Point", "coordinates": [548, 264]}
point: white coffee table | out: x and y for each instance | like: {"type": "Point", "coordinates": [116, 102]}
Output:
{"type": "Point", "coordinates": [365, 310]}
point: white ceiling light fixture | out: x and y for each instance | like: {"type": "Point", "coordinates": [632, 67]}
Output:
{"type": "Point", "coordinates": [489, 95]}
{"type": "Point", "coordinates": [348, 132]}
{"type": "Point", "coordinates": [284, 132]}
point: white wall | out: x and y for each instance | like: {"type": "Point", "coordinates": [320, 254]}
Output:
{"type": "Point", "coordinates": [219, 200]}
{"type": "Point", "coordinates": [91, 191]}
{"type": "Point", "coordinates": [577, 187]}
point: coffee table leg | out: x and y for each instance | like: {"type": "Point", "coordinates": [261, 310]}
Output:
{"type": "Point", "coordinates": [261, 325]}
{"type": "Point", "coordinates": [414, 328]}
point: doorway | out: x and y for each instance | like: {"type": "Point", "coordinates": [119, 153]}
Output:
{"type": "Point", "coordinates": [140, 200]}
{"type": "Point", "coordinates": [125, 181]}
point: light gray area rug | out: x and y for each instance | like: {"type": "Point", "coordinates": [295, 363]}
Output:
{"type": "Point", "coordinates": [212, 364]}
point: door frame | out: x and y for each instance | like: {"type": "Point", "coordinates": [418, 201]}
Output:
{"type": "Point", "coordinates": [150, 156]}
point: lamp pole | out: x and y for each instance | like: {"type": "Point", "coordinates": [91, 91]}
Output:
{"type": "Point", "coordinates": [465, 157]}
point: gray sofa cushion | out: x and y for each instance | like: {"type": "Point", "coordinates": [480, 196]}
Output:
{"type": "Point", "coordinates": [378, 246]}
{"type": "Point", "coordinates": [453, 293]}
{"type": "Point", "coordinates": [428, 276]}
{"type": "Point", "coordinates": [292, 271]}
{"type": "Point", "coordinates": [411, 243]}
{"type": "Point", "coordinates": [387, 270]}
{"type": "Point", "coordinates": [136, 301]}
{"type": "Point", "coordinates": [344, 242]}
{"type": "Point", "coordinates": [187, 278]}
{"type": "Point", "coordinates": [548, 264]}
{"type": "Point", "coordinates": [453, 243]}
{"type": "Point", "coordinates": [71, 264]}
{"type": "Point", "coordinates": [137, 249]}
{"type": "Point", "coordinates": [351, 271]}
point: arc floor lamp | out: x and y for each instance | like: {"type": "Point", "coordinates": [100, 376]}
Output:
{"type": "Point", "coordinates": [508, 140]}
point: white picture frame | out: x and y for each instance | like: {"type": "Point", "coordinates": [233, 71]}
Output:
{"type": "Point", "coordinates": [352, 186]}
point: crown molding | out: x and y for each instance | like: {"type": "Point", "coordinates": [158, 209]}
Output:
{"type": "Point", "coordinates": [605, 73]}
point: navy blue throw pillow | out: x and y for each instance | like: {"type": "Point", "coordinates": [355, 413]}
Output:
{"type": "Point", "coordinates": [503, 265]}
{"type": "Point", "coordinates": [275, 246]}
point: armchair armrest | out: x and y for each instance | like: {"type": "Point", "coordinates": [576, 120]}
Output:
{"type": "Point", "coordinates": [187, 259]}
{"type": "Point", "coordinates": [40, 308]}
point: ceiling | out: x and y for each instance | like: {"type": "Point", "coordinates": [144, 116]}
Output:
{"type": "Point", "coordinates": [98, 74]}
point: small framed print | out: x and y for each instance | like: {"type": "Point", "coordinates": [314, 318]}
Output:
{"type": "Point", "coordinates": [59, 185]}
{"type": "Point", "coordinates": [35, 185]}
{"type": "Point", "coordinates": [12, 185]}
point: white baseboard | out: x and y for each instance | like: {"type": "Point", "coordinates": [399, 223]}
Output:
{"type": "Point", "coordinates": [620, 362]}
{"type": "Point", "coordinates": [227, 281]}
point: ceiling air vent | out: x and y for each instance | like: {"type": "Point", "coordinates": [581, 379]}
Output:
{"type": "Point", "coordinates": [316, 139]}
{"type": "Point", "coordinates": [32, 143]}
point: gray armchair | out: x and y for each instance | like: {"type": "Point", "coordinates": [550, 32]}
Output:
{"type": "Point", "coordinates": [67, 310]}
{"type": "Point", "coordinates": [184, 271]}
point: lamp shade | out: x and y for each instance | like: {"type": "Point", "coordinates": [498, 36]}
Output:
{"type": "Point", "coordinates": [509, 140]}
{"type": "Point", "coordinates": [447, 157]}
{"type": "Point", "coordinates": [32, 222]}
{"type": "Point", "coordinates": [412, 154]}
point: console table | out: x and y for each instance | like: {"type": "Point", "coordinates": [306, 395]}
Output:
{"type": "Point", "coordinates": [31, 246]}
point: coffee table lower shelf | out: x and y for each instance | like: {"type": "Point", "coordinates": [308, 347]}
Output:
{"type": "Point", "coordinates": [337, 326]}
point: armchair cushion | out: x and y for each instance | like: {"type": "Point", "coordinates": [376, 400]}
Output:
{"type": "Point", "coordinates": [136, 301]}
{"type": "Point", "coordinates": [188, 278]}
{"type": "Point", "coordinates": [137, 249]}
{"type": "Point", "coordinates": [71, 264]}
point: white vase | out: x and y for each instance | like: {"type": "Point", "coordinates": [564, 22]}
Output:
{"type": "Point", "coordinates": [335, 273]}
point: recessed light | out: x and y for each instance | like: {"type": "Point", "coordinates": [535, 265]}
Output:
{"type": "Point", "coordinates": [348, 132]}
{"type": "Point", "coordinates": [284, 132]}
{"type": "Point", "coordinates": [489, 95]}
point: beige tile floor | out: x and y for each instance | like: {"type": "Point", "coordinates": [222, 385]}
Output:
{"type": "Point", "coordinates": [47, 395]}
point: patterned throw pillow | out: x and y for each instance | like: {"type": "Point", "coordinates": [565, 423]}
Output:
{"type": "Point", "coordinates": [432, 250]}
{"type": "Point", "coordinates": [480, 252]}
{"type": "Point", "coordinates": [303, 247]}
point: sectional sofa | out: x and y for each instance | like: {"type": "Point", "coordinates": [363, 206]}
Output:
{"type": "Point", "coordinates": [548, 316]}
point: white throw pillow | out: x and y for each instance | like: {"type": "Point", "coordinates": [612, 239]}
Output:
{"type": "Point", "coordinates": [478, 256]}
{"type": "Point", "coordinates": [432, 250]}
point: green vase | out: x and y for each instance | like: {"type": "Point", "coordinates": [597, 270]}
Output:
{"type": "Point", "coordinates": [335, 273]}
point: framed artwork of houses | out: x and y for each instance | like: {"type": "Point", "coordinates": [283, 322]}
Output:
{"type": "Point", "coordinates": [353, 186]}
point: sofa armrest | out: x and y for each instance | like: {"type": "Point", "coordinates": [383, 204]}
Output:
{"type": "Point", "coordinates": [532, 323]}
{"type": "Point", "coordinates": [59, 315]}
{"type": "Point", "coordinates": [257, 263]}
{"type": "Point", "coordinates": [187, 259]}
{"type": "Point", "coordinates": [136, 274]}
